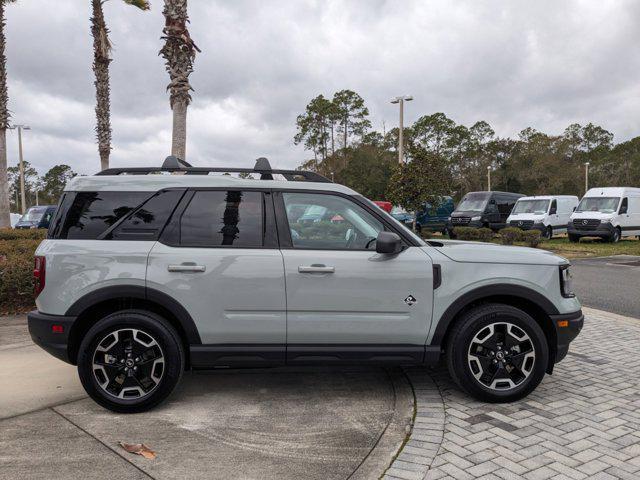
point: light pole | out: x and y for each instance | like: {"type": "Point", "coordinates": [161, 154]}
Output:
{"type": "Point", "coordinates": [488, 178]}
{"type": "Point", "coordinates": [22, 194]}
{"type": "Point", "coordinates": [401, 100]}
{"type": "Point", "coordinates": [586, 176]}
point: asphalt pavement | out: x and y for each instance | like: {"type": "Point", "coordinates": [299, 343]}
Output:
{"type": "Point", "coordinates": [611, 284]}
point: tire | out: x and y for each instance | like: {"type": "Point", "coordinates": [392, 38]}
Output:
{"type": "Point", "coordinates": [615, 237]}
{"type": "Point", "coordinates": [574, 238]}
{"type": "Point", "coordinates": [548, 233]}
{"type": "Point", "coordinates": [125, 381]}
{"type": "Point", "coordinates": [452, 235]}
{"type": "Point", "coordinates": [472, 366]}
{"type": "Point", "coordinates": [418, 229]}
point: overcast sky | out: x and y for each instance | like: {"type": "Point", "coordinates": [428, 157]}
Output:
{"type": "Point", "coordinates": [515, 64]}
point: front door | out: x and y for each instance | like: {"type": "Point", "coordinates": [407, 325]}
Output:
{"type": "Point", "coordinates": [345, 302]}
{"type": "Point", "coordinates": [219, 259]}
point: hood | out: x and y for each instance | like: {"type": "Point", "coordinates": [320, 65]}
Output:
{"type": "Point", "coordinates": [479, 252]}
{"type": "Point", "coordinates": [598, 215]}
{"type": "Point", "coordinates": [467, 213]}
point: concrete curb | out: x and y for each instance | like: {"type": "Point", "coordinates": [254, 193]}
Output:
{"type": "Point", "coordinates": [423, 442]}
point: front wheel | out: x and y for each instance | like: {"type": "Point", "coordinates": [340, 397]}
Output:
{"type": "Point", "coordinates": [616, 235]}
{"type": "Point", "coordinates": [497, 353]}
{"type": "Point", "coordinates": [130, 361]}
{"type": "Point", "coordinates": [548, 233]}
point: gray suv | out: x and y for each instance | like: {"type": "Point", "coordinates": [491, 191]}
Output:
{"type": "Point", "coordinates": [147, 272]}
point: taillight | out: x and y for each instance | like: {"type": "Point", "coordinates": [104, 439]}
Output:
{"type": "Point", "coordinates": [39, 273]}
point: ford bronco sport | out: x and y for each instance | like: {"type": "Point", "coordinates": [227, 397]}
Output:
{"type": "Point", "coordinates": [147, 272]}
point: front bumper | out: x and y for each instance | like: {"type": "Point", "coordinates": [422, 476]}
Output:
{"type": "Point", "coordinates": [41, 328]}
{"type": "Point", "coordinates": [567, 328]}
{"type": "Point", "coordinates": [604, 230]}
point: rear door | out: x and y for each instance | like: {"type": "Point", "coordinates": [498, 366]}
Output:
{"type": "Point", "coordinates": [345, 301]}
{"type": "Point", "coordinates": [219, 259]}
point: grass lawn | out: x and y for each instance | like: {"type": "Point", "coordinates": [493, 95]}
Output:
{"type": "Point", "coordinates": [587, 247]}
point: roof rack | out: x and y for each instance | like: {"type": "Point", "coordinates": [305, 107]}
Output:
{"type": "Point", "coordinates": [174, 164]}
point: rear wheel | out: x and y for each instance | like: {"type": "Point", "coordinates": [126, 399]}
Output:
{"type": "Point", "coordinates": [497, 353]}
{"type": "Point", "coordinates": [574, 238]}
{"type": "Point", "coordinates": [130, 361]}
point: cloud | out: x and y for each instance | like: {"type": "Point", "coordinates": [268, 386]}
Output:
{"type": "Point", "coordinates": [543, 64]}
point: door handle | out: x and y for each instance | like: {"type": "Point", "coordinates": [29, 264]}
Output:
{"type": "Point", "coordinates": [186, 267]}
{"type": "Point", "coordinates": [315, 268]}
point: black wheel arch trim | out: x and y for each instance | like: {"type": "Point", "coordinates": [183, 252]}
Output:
{"type": "Point", "coordinates": [142, 293]}
{"type": "Point", "coordinates": [488, 291]}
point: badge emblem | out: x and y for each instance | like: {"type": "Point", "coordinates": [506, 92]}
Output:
{"type": "Point", "coordinates": [520, 223]}
{"type": "Point", "coordinates": [584, 222]}
{"type": "Point", "coordinates": [410, 300]}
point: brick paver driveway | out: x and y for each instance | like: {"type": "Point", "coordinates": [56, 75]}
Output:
{"type": "Point", "coordinates": [581, 422]}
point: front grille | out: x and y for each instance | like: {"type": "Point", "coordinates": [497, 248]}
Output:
{"type": "Point", "coordinates": [523, 224]}
{"type": "Point", "coordinates": [586, 223]}
{"type": "Point", "coordinates": [460, 220]}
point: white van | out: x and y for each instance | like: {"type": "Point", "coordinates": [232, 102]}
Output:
{"type": "Point", "coordinates": [609, 213]}
{"type": "Point", "coordinates": [547, 213]}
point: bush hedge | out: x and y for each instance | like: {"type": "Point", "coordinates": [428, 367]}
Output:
{"type": "Point", "coordinates": [16, 268]}
{"type": "Point", "coordinates": [511, 235]}
{"type": "Point", "coordinates": [473, 234]}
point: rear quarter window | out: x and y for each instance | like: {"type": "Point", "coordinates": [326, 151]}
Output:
{"type": "Point", "coordinates": [87, 215]}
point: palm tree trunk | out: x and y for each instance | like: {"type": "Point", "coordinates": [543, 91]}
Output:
{"type": "Point", "coordinates": [5, 218]}
{"type": "Point", "coordinates": [101, 61]}
{"type": "Point", "coordinates": [179, 138]}
{"type": "Point", "coordinates": [179, 52]}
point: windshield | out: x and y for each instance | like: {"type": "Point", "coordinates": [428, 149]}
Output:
{"type": "Point", "coordinates": [34, 214]}
{"type": "Point", "coordinates": [598, 204]}
{"type": "Point", "coordinates": [473, 202]}
{"type": "Point", "coordinates": [531, 206]}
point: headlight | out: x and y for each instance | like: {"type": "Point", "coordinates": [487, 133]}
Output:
{"type": "Point", "coordinates": [566, 282]}
{"type": "Point", "coordinates": [476, 219]}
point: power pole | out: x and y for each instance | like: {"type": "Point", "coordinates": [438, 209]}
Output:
{"type": "Point", "coordinates": [586, 176]}
{"type": "Point", "coordinates": [23, 202]}
{"type": "Point", "coordinates": [489, 178]}
{"type": "Point", "coordinates": [401, 100]}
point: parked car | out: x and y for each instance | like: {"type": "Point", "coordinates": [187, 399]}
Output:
{"type": "Point", "coordinates": [547, 213]}
{"type": "Point", "coordinates": [483, 209]}
{"type": "Point", "coordinates": [429, 218]}
{"type": "Point", "coordinates": [609, 213]}
{"type": "Point", "coordinates": [386, 206]}
{"type": "Point", "coordinates": [37, 217]}
{"type": "Point", "coordinates": [144, 276]}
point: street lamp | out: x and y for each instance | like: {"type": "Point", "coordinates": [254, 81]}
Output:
{"type": "Point", "coordinates": [488, 178]}
{"type": "Point", "coordinates": [401, 100]}
{"type": "Point", "coordinates": [586, 176]}
{"type": "Point", "coordinates": [22, 194]}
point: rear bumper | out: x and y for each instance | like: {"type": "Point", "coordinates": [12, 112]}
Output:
{"type": "Point", "coordinates": [567, 327]}
{"type": "Point", "coordinates": [41, 328]}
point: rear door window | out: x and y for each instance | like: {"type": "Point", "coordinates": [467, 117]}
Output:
{"type": "Point", "coordinates": [217, 218]}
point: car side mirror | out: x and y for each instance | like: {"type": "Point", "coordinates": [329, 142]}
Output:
{"type": "Point", "coordinates": [388, 243]}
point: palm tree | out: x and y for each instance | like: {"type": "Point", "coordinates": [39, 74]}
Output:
{"type": "Point", "coordinates": [101, 61]}
{"type": "Point", "coordinates": [5, 220]}
{"type": "Point", "coordinates": [179, 52]}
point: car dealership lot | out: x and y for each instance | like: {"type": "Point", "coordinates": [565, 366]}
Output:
{"type": "Point", "coordinates": [332, 423]}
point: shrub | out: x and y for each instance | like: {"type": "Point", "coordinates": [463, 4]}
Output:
{"type": "Point", "coordinates": [485, 234]}
{"type": "Point", "coordinates": [510, 235]}
{"type": "Point", "coordinates": [16, 273]}
{"type": "Point", "coordinates": [23, 234]}
{"type": "Point", "coordinates": [532, 238]}
{"type": "Point", "coordinates": [466, 233]}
